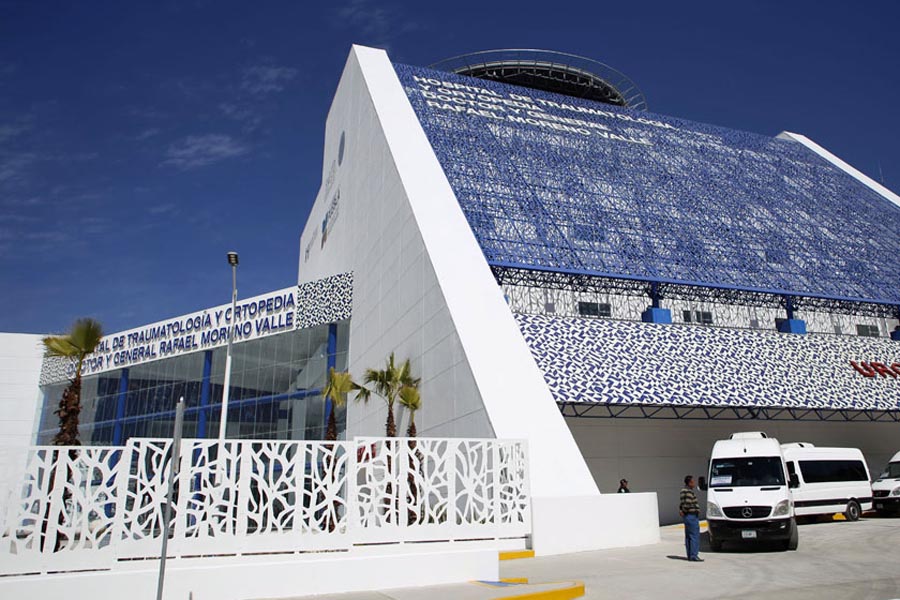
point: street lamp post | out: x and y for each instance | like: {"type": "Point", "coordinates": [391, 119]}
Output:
{"type": "Point", "coordinates": [223, 423]}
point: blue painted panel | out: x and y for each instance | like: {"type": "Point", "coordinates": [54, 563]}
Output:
{"type": "Point", "coordinates": [120, 408]}
{"type": "Point", "coordinates": [585, 187]}
{"type": "Point", "coordinates": [657, 315]}
{"type": "Point", "coordinates": [332, 361]}
{"type": "Point", "coordinates": [203, 415]}
{"type": "Point", "coordinates": [797, 326]}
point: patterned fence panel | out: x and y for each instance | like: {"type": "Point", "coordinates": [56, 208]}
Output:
{"type": "Point", "coordinates": [62, 509]}
{"type": "Point", "coordinates": [245, 496]}
{"type": "Point", "coordinates": [417, 489]}
{"type": "Point", "coordinates": [143, 496]}
{"type": "Point", "coordinates": [69, 509]}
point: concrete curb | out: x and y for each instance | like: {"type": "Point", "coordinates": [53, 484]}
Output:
{"type": "Point", "coordinates": [551, 590]}
{"type": "Point", "coordinates": [516, 554]}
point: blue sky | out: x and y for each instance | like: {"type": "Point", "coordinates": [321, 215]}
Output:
{"type": "Point", "coordinates": [141, 141]}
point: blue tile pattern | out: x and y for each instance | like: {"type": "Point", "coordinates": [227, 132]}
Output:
{"type": "Point", "coordinates": [629, 363]}
{"type": "Point", "coordinates": [326, 300]}
{"type": "Point", "coordinates": [636, 194]}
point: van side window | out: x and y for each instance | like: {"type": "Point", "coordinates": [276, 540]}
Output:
{"type": "Point", "coordinates": [821, 471]}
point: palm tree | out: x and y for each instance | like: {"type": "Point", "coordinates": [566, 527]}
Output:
{"type": "Point", "coordinates": [411, 399]}
{"type": "Point", "coordinates": [336, 390]}
{"type": "Point", "coordinates": [81, 340]}
{"type": "Point", "coordinates": [387, 383]}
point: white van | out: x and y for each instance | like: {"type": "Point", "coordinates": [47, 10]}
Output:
{"type": "Point", "coordinates": [749, 492]}
{"type": "Point", "coordinates": [886, 489]}
{"type": "Point", "coordinates": [832, 480]}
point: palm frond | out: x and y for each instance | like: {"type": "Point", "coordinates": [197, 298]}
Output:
{"type": "Point", "coordinates": [405, 376]}
{"type": "Point", "coordinates": [410, 398]}
{"type": "Point", "coordinates": [362, 393]}
{"type": "Point", "coordinates": [59, 345]}
{"type": "Point", "coordinates": [338, 386]}
{"type": "Point", "coordinates": [85, 335]}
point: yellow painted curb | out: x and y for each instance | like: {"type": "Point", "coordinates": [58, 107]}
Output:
{"type": "Point", "coordinates": [505, 582]}
{"type": "Point", "coordinates": [514, 554]}
{"type": "Point", "coordinates": [575, 589]}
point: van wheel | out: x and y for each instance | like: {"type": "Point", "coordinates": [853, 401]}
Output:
{"type": "Point", "coordinates": [794, 540]}
{"type": "Point", "coordinates": [852, 513]}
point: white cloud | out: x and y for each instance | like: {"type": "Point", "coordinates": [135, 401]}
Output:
{"type": "Point", "coordinates": [377, 22]}
{"type": "Point", "coordinates": [266, 79]}
{"type": "Point", "coordinates": [249, 118]}
{"type": "Point", "coordinates": [10, 130]}
{"type": "Point", "coordinates": [146, 134]}
{"type": "Point", "coordinates": [13, 168]}
{"type": "Point", "coordinates": [196, 151]}
{"type": "Point", "coordinates": [161, 209]}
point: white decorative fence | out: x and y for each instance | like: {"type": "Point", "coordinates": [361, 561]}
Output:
{"type": "Point", "coordinates": [70, 509]}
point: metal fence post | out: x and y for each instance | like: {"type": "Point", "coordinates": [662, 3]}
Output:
{"type": "Point", "coordinates": [174, 465]}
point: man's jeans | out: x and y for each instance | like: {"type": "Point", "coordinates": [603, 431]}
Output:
{"type": "Point", "coordinates": [692, 536]}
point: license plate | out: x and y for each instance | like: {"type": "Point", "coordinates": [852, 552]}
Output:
{"type": "Point", "coordinates": [748, 534]}
{"type": "Point", "coordinates": [879, 505]}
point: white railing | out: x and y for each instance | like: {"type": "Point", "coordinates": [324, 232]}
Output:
{"type": "Point", "coordinates": [69, 509]}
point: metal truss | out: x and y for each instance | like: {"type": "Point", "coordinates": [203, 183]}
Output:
{"type": "Point", "coordinates": [573, 282]}
{"type": "Point", "coordinates": [848, 307]}
{"type": "Point", "coordinates": [649, 288]}
{"type": "Point", "coordinates": [727, 413]}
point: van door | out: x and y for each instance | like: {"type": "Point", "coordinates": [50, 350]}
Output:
{"type": "Point", "coordinates": [800, 493]}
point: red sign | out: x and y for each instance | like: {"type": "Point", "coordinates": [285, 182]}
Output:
{"type": "Point", "coordinates": [872, 368]}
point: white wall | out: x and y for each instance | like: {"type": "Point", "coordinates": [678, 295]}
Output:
{"type": "Point", "coordinates": [654, 455]}
{"type": "Point", "coordinates": [20, 370]}
{"type": "Point", "coordinates": [421, 285]}
{"type": "Point", "coordinates": [398, 304]}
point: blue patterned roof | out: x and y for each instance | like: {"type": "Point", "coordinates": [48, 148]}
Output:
{"type": "Point", "coordinates": [602, 361]}
{"type": "Point", "coordinates": [557, 183]}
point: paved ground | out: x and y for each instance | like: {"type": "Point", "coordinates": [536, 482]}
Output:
{"type": "Point", "coordinates": [835, 560]}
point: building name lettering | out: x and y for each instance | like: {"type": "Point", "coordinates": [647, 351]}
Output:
{"type": "Point", "coordinates": [253, 318]}
{"type": "Point", "coordinates": [873, 368]}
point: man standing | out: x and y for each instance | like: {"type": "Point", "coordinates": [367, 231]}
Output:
{"type": "Point", "coordinates": [689, 509]}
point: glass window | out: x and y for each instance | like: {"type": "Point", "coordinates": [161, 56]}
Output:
{"type": "Point", "coordinates": [274, 393]}
{"type": "Point", "coordinates": [702, 317]}
{"type": "Point", "coordinates": [821, 471]}
{"type": "Point", "coordinates": [867, 330]}
{"type": "Point", "coordinates": [594, 309]}
{"type": "Point", "coordinates": [742, 472]}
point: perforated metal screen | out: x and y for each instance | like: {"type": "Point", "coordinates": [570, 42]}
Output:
{"type": "Point", "coordinates": [564, 184]}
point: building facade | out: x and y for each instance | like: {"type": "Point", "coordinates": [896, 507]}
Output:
{"type": "Point", "coordinates": [284, 343]}
{"type": "Point", "coordinates": [647, 277]}
{"type": "Point", "coordinates": [619, 288]}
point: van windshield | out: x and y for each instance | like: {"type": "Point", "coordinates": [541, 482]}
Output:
{"type": "Point", "coordinates": [892, 471]}
{"type": "Point", "coordinates": [746, 471]}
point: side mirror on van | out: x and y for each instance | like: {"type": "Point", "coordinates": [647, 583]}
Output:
{"type": "Point", "coordinates": [795, 481]}
{"type": "Point", "coordinates": [701, 483]}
